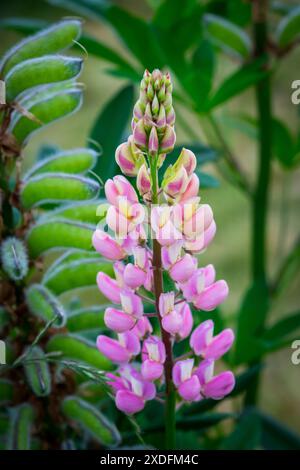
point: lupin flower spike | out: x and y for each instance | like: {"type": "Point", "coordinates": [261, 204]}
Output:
{"type": "Point", "coordinates": [180, 226]}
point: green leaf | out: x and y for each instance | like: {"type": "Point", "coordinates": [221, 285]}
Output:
{"type": "Point", "coordinates": [91, 420]}
{"type": "Point", "coordinates": [57, 187]}
{"type": "Point", "coordinates": [6, 391]}
{"type": "Point", "coordinates": [66, 161]}
{"type": "Point", "coordinates": [77, 348]}
{"type": "Point", "coordinates": [75, 274]}
{"type": "Point", "coordinates": [283, 145]}
{"type": "Point", "coordinates": [48, 41]}
{"type": "Point", "coordinates": [39, 71]}
{"type": "Point", "coordinates": [207, 181]}
{"type": "Point", "coordinates": [254, 308]}
{"type": "Point", "coordinates": [21, 421]}
{"type": "Point", "coordinates": [53, 106]}
{"type": "Point", "coordinates": [245, 77]}
{"type": "Point", "coordinates": [227, 35]}
{"type": "Point", "coordinates": [59, 233]}
{"type": "Point", "coordinates": [288, 29]}
{"type": "Point", "coordinates": [109, 128]}
{"type": "Point", "coordinates": [202, 421]}
{"type": "Point", "coordinates": [37, 372]}
{"type": "Point", "coordinates": [277, 436]}
{"type": "Point", "coordinates": [43, 304]}
{"type": "Point", "coordinates": [279, 334]}
{"type": "Point", "coordinates": [85, 319]}
{"type": "Point", "coordinates": [246, 435]}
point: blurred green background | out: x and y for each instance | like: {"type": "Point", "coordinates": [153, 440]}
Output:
{"type": "Point", "coordinates": [231, 249]}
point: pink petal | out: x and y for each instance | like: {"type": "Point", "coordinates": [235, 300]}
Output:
{"type": "Point", "coordinates": [201, 337]}
{"type": "Point", "coordinates": [172, 323]}
{"type": "Point", "coordinates": [152, 370]}
{"type": "Point", "coordinates": [183, 269]}
{"type": "Point", "coordinates": [107, 246]}
{"type": "Point", "coordinates": [220, 386]}
{"type": "Point", "coordinates": [220, 344]}
{"type": "Point", "coordinates": [118, 321]}
{"type": "Point", "coordinates": [212, 296]}
{"type": "Point", "coordinates": [128, 402]}
{"type": "Point", "coordinates": [109, 287]}
{"type": "Point", "coordinates": [112, 349]}
{"type": "Point", "coordinates": [134, 276]}
{"type": "Point", "coordinates": [189, 390]}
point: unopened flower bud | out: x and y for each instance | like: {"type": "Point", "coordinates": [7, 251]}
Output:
{"type": "Point", "coordinates": [168, 141]}
{"type": "Point", "coordinates": [143, 181]}
{"type": "Point", "coordinates": [153, 142]}
{"type": "Point", "coordinates": [129, 158]}
{"type": "Point", "coordinates": [175, 182]}
{"type": "Point", "coordinates": [140, 135]}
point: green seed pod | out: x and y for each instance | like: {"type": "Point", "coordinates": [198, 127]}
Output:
{"type": "Point", "coordinates": [37, 372]}
{"type": "Point", "coordinates": [91, 420]}
{"type": "Point", "coordinates": [21, 421]}
{"type": "Point", "coordinates": [91, 212]}
{"type": "Point", "coordinates": [39, 71]}
{"type": "Point", "coordinates": [14, 258]}
{"type": "Point", "coordinates": [75, 274]}
{"type": "Point", "coordinates": [57, 187]}
{"type": "Point", "coordinates": [51, 108]}
{"type": "Point", "coordinates": [86, 319]}
{"type": "Point", "coordinates": [59, 233]}
{"type": "Point", "coordinates": [48, 41]}
{"type": "Point", "coordinates": [68, 161]}
{"type": "Point", "coordinates": [76, 348]}
{"type": "Point", "coordinates": [43, 304]}
{"type": "Point", "coordinates": [6, 391]}
{"type": "Point", "coordinates": [70, 255]}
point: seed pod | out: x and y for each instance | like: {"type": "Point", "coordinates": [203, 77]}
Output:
{"type": "Point", "coordinates": [21, 421]}
{"type": "Point", "coordinates": [68, 161]}
{"type": "Point", "coordinates": [14, 258]}
{"type": "Point", "coordinates": [86, 319]}
{"type": "Point", "coordinates": [43, 304]}
{"type": "Point", "coordinates": [37, 372]}
{"type": "Point", "coordinates": [53, 106]}
{"type": "Point", "coordinates": [91, 420]}
{"type": "Point", "coordinates": [59, 233]}
{"type": "Point", "coordinates": [48, 41]}
{"type": "Point", "coordinates": [91, 212]}
{"type": "Point", "coordinates": [39, 71]}
{"type": "Point", "coordinates": [57, 187]}
{"type": "Point", "coordinates": [77, 348]}
{"type": "Point", "coordinates": [75, 274]}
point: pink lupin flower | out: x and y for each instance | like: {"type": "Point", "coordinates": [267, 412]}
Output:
{"type": "Point", "coordinates": [175, 183]}
{"type": "Point", "coordinates": [203, 291]}
{"type": "Point", "coordinates": [187, 321]}
{"type": "Point", "coordinates": [180, 268]}
{"type": "Point", "coordinates": [135, 275]}
{"type": "Point", "coordinates": [132, 391]}
{"type": "Point", "coordinates": [121, 350]}
{"type": "Point", "coordinates": [119, 186]}
{"type": "Point", "coordinates": [186, 382]}
{"type": "Point", "coordinates": [168, 141]}
{"type": "Point", "coordinates": [208, 346]}
{"type": "Point", "coordinates": [153, 356]}
{"type": "Point", "coordinates": [191, 190]}
{"type": "Point", "coordinates": [118, 321]}
{"type": "Point", "coordinates": [188, 160]}
{"type": "Point", "coordinates": [162, 225]}
{"type": "Point", "coordinates": [109, 287]}
{"type": "Point", "coordinates": [142, 327]}
{"type": "Point", "coordinates": [199, 244]}
{"type": "Point", "coordinates": [140, 135]}
{"type": "Point", "coordinates": [107, 246]}
{"type": "Point", "coordinates": [214, 387]}
{"type": "Point", "coordinates": [143, 182]}
{"type": "Point", "coordinates": [171, 318]}
{"type": "Point", "coordinates": [125, 217]}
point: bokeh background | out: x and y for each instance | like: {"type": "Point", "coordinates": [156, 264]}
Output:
{"type": "Point", "coordinates": [230, 252]}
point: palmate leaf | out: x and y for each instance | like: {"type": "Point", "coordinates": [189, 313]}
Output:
{"type": "Point", "coordinates": [47, 188]}
{"type": "Point", "coordinates": [288, 29]}
{"type": "Point", "coordinates": [75, 161]}
{"type": "Point", "coordinates": [55, 233]}
{"type": "Point", "coordinates": [227, 35]}
{"type": "Point", "coordinates": [116, 111]}
{"type": "Point", "coordinates": [76, 348]}
{"type": "Point", "coordinates": [91, 420]}
{"type": "Point", "coordinates": [76, 274]}
{"type": "Point", "coordinates": [39, 71]}
{"type": "Point", "coordinates": [21, 421]}
{"type": "Point", "coordinates": [48, 41]}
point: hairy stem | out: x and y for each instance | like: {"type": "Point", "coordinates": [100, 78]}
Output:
{"type": "Point", "coordinates": [170, 424]}
{"type": "Point", "coordinates": [260, 197]}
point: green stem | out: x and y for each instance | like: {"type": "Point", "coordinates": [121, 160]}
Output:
{"type": "Point", "coordinates": [260, 197]}
{"type": "Point", "coordinates": [170, 423]}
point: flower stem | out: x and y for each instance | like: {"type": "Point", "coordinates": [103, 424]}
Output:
{"type": "Point", "coordinates": [170, 423]}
